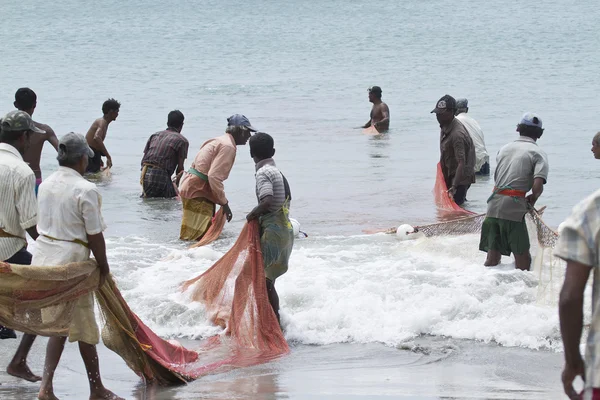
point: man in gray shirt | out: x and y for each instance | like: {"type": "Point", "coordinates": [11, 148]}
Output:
{"type": "Point", "coordinates": [521, 166]}
{"type": "Point", "coordinates": [274, 196]}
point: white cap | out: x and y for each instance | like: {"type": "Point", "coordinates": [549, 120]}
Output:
{"type": "Point", "coordinates": [531, 119]}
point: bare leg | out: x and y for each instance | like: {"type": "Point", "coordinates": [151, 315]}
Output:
{"type": "Point", "coordinates": [54, 351]}
{"type": "Point", "coordinates": [273, 299]}
{"type": "Point", "coordinates": [90, 359]}
{"type": "Point", "coordinates": [523, 261]}
{"type": "Point", "coordinates": [18, 366]}
{"type": "Point", "coordinates": [493, 258]}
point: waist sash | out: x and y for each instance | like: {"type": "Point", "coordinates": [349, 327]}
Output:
{"type": "Point", "coordinates": [81, 242]}
{"type": "Point", "coordinates": [199, 174]}
{"type": "Point", "coordinates": [5, 234]}
{"type": "Point", "coordinates": [510, 192]}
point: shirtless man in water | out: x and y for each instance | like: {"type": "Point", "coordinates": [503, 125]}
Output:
{"type": "Point", "coordinates": [380, 113]}
{"type": "Point", "coordinates": [97, 134]}
{"type": "Point", "coordinates": [26, 100]}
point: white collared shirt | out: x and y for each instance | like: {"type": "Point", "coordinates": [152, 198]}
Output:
{"type": "Point", "coordinates": [18, 206]}
{"type": "Point", "coordinates": [69, 208]}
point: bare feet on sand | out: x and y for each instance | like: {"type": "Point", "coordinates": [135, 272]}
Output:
{"type": "Point", "coordinates": [22, 371]}
{"type": "Point", "coordinates": [46, 396]}
{"type": "Point", "coordinates": [105, 394]}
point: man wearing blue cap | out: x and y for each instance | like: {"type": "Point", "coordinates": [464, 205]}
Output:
{"type": "Point", "coordinates": [202, 185]}
{"type": "Point", "coordinates": [521, 166]}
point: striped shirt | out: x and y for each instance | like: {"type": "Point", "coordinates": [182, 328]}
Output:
{"type": "Point", "coordinates": [579, 242]}
{"type": "Point", "coordinates": [18, 205]}
{"type": "Point", "coordinates": [269, 182]}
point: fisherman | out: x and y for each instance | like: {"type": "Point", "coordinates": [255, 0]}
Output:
{"type": "Point", "coordinates": [97, 134]}
{"type": "Point", "coordinates": [457, 152]}
{"type": "Point", "coordinates": [164, 154]}
{"type": "Point", "coordinates": [596, 146]}
{"type": "Point", "coordinates": [482, 165]}
{"type": "Point", "coordinates": [18, 215]}
{"type": "Point", "coordinates": [521, 166]}
{"type": "Point", "coordinates": [26, 100]}
{"type": "Point", "coordinates": [202, 185]}
{"type": "Point", "coordinates": [70, 227]}
{"type": "Point", "coordinates": [380, 113]}
{"type": "Point", "coordinates": [578, 246]}
{"type": "Point", "coordinates": [274, 196]}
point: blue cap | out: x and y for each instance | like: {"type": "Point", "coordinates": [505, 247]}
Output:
{"type": "Point", "coordinates": [531, 119]}
{"type": "Point", "coordinates": [240, 120]}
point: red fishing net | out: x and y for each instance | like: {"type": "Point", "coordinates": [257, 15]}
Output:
{"type": "Point", "coordinates": [443, 200]}
{"type": "Point", "coordinates": [40, 300]}
{"type": "Point", "coordinates": [234, 293]}
{"type": "Point", "coordinates": [213, 233]}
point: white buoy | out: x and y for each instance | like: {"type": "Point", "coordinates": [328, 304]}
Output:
{"type": "Point", "coordinates": [404, 232]}
{"type": "Point", "coordinates": [295, 226]}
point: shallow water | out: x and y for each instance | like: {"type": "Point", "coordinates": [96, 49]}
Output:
{"type": "Point", "coordinates": [300, 70]}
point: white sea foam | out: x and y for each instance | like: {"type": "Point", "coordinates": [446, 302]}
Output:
{"type": "Point", "coordinates": [359, 289]}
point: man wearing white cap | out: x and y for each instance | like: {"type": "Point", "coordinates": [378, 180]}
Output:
{"type": "Point", "coordinates": [521, 166]}
{"type": "Point", "coordinates": [70, 226]}
{"type": "Point", "coordinates": [482, 165]}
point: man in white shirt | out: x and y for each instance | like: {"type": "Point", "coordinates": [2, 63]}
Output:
{"type": "Point", "coordinates": [482, 165]}
{"type": "Point", "coordinates": [70, 226]}
{"type": "Point", "coordinates": [18, 215]}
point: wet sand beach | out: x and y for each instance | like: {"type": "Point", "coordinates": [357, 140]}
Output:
{"type": "Point", "coordinates": [428, 368]}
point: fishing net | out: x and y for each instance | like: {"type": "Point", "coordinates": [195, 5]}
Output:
{"type": "Point", "coordinates": [41, 299]}
{"type": "Point", "coordinates": [216, 227]}
{"type": "Point", "coordinates": [443, 200]}
{"type": "Point", "coordinates": [234, 294]}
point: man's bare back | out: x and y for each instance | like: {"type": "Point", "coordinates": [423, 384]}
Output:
{"type": "Point", "coordinates": [33, 153]}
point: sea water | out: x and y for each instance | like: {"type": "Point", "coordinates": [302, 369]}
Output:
{"type": "Point", "coordinates": [300, 71]}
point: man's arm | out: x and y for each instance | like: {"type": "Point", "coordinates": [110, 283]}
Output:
{"type": "Point", "coordinates": [90, 204]}
{"type": "Point", "coordinates": [536, 191]}
{"type": "Point", "coordinates": [179, 171]}
{"type": "Point", "coordinates": [261, 209]}
{"type": "Point", "coordinates": [571, 322]}
{"type": "Point", "coordinates": [51, 137]}
{"type": "Point", "coordinates": [460, 155]}
{"type": "Point", "coordinates": [99, 141]}
{"type": "Point", "coordinates": [97, 246]}
{"type": "Point", "coordinates": [368, 124]}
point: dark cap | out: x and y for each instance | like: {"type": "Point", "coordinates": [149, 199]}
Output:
{"type": "Point", "coordinates": [375, 90]}
{"type": "Point", "coordinates": [73, 144]}
{"type": "Point", "coordinates": [447, 102]}
{"type": "Point", "coordinates": [19, 121]}
{"type": "Point", "coordinates": [240, 120]}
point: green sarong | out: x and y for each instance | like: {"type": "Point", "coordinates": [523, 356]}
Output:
{"type": "Point", "coordinates": [276, 242]}
{"type": "Point", "coordinates": [504, 236]}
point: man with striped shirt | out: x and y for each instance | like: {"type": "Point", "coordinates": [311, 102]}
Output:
{"type": "Point", "coordinates": [18, 214]}
{"type": "Point", "coordinates": [274, 196]}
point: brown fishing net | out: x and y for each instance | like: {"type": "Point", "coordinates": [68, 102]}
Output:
{"type": "Point", "coordinates": [40, 300]}
{"type": "Point", "coordinates": [213, 233]}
